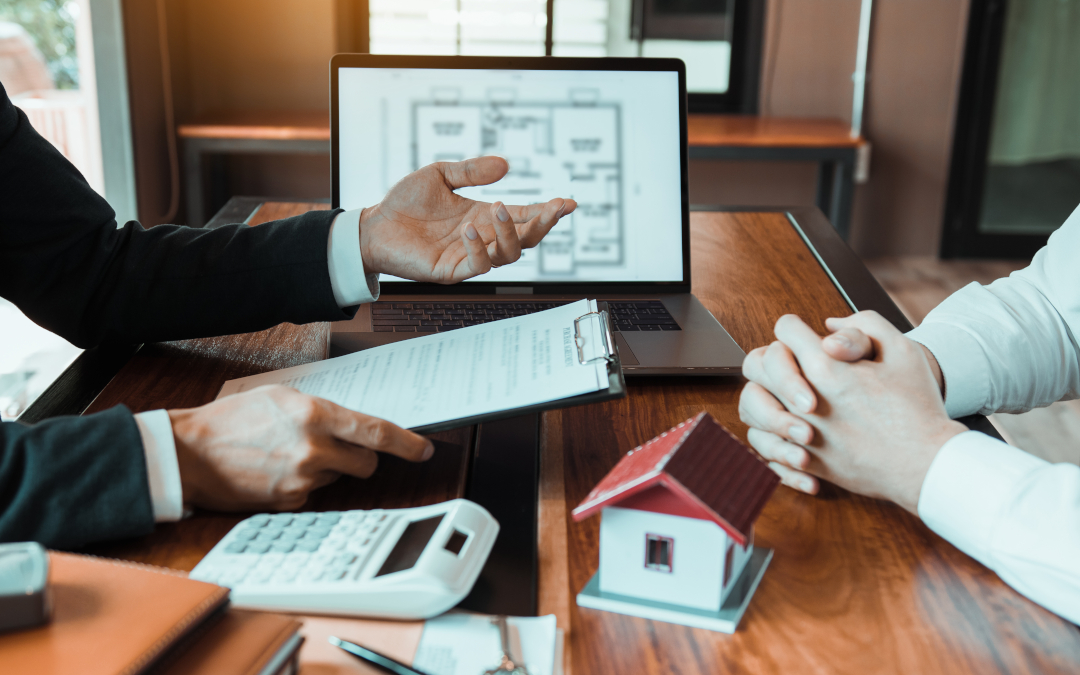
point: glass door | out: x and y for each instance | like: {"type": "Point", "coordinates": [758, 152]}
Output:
{"type": "Point", "coordinates": [1016, 158]}
{"type": "Point", "coordinates": [47, 68]}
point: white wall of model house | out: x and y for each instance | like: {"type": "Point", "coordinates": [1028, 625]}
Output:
{"type": "Point", "coordinates": [698, 556]}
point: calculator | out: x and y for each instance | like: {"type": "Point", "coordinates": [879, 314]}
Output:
{"type": "Point", "coordinates": [400, 564]}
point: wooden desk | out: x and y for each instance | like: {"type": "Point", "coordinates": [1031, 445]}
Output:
{"type": "Point", "coordinates": [856, 585]}
{"type": "Point", "coordinates": [825, 141]}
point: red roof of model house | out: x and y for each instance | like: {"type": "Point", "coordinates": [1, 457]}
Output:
{"type": "Point", "coordinates": [697, 470]}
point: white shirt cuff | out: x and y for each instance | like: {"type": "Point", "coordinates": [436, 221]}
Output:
{"type": "Point", "coordinates": [970, 483]}
{"type": "Point", "coordinates": [963, 366]}
{"type": "Point", "coordinates": [162, 467]}
{"type": "Point", "coordinates": [351, 286]}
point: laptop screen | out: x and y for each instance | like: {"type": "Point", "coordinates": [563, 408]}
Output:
{"type": "Point", "coordinates": [609, 139]}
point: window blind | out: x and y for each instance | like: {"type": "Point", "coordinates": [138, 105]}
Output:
{"type": "Point", "coordinates": [487, 27]}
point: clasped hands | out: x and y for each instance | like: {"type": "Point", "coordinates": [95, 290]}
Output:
{"type": "Point", "coordinates": [861, 408]}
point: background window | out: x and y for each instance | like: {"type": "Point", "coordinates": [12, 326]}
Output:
{"type": "Point", "coordinates": [47, 67]}
{"type": "Point", "coordinates": [720, 40]}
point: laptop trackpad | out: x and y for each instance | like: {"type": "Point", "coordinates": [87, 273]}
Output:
{"type": "Point", "coordinates": [626, 355]}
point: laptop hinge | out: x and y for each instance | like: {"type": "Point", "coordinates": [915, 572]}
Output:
{"type": "Point", "coordinates": [513, 290]}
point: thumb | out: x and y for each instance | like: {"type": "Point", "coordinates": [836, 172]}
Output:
{"type": "Point", "coordinates": [477, 171]}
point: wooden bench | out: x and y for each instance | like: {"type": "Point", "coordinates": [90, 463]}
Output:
{"type": "Point", "coordinates": [246, 132]}
{"type": "Point", "coordinates": [825, 141]}
{"type": "Point", "coordinates": [724, 137]}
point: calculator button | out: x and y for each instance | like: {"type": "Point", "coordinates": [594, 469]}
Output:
{"type": "Point", "coordinates": [304, 518]}
{"type": "Point", "coordinates": [309, 545]}
{"type": "Point", "coordinates": [291, 534]}
{"type": "Point", "coordinates": [246, 535]}
{"type": "Point", "coordinates": [311, 574]}
{"type": "Point", "coordinates": [259, 520]}
{"type": "Point", "coordinates": [284, 575]}
{"type": "Point", "coordinates": [329, 518]}
{"type": "Point", "coordinates": [258, 547]}
{"type": "Point", "coordinates": [267, 536]}
{"type": "Point", "coordinates": [282, 547]}
{"type": "Point", "coordinates": [335, 574]}
{"type": "Point", "coordinates": [236, 547]}
{"type": "Point", "coordinates": [232, 577]}
{"type": "Point", "coordinates": [282, 519]}
{"type": "Point", "coordinates": [259, 575]}
{"type": "Point", "coordinates": [344, 559]}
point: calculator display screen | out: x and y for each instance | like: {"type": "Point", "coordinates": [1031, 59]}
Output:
{"type": "Point", "coordinates": [411, 544]}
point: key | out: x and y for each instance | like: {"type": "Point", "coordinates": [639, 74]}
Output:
{"type": "Point", "coordinates": [507, 666]}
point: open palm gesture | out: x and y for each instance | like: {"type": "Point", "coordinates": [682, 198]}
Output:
{"type": "Point", "coordinates": [422, 230]}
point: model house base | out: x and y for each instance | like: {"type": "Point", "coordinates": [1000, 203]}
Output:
{"type": "Point", "coordinates": [724, 621]}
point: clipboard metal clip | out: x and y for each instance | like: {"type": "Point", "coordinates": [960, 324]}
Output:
{"type": "Point", "coordinates": [608, 341]}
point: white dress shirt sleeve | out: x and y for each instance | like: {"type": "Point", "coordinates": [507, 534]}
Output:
{"type": "Point", "coordinates": [1008, 347]}
{"type": "Point", "coordinates": [351, 286]}
{"type": "Point", "coordinates": [162, 468]}
{"type": "Point", "coordinates": [1015, 513]}
{"type": "Point", "coordinates": [1011, 346]}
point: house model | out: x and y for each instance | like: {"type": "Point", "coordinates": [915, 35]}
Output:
{"type": "Point", "coordinates": [676, 535]}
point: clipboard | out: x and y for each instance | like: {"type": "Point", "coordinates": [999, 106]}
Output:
{"type": "Point", "coordinates": [616, 382]}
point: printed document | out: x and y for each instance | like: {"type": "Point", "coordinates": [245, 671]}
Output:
{"type": "Point", "coordinates": [496, 366]}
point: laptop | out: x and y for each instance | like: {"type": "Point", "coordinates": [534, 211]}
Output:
{"type": "Point", "coordinates": [609, 133]}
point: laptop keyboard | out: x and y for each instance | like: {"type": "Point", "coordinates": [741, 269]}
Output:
{"type": "Point", "coordinates": [439, 317]}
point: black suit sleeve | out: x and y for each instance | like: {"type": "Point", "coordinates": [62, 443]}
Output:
{"type": "Point", "coordinates": [67, 266]}
{"type": "Point", "coordinates": [69, 481]}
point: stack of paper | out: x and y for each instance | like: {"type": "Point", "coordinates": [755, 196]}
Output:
{"type": "Point", "coordinates": [479, 370]}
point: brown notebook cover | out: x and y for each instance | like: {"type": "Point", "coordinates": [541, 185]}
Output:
{"type": "Point", "coordinates": [109, 618]}
{"type": "Point", "coordinates": [240, 643]}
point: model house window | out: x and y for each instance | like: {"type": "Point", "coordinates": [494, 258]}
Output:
{"type": "Point", "coordinates": [729, 560]}
{"type": "Point", "coordinates": [659, 552]}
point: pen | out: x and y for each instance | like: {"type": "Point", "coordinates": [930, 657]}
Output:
{"type": "Point", "coordinates": [376, 659]}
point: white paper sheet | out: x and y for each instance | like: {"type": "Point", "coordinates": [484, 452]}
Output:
{"type": "Point", "coordinates": [469, 644]}
{"type": "Point", "coordinates": [477, 370]}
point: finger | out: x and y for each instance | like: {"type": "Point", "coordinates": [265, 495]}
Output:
{"type": "Point", "coordinates": [536, 229]}
{"type": "Point", "coordinates": [784, 378]}
{"type": "Point", "coordinates": [868, 321]}
{"type": "Point", "coordinates": [507, 246]}
{"type": "Point", "coordinates": [796, 479]}
{"type": "Point", "coordinates": [350, 459]}
{"type": "Point", "coordinates": [373, 433]}
{"type": "Point", "coordinates": [478, 261]}
{"type": "Point", "coordinates": [776, 449]}
{"type": "Point", "coordinates": [799, 338]}
{"type": "Point", "coordinates": [752, 368]}
{"type": "Point", "coordinates": [476, 171]}
{"type": "Point", "coordinates": [848, 344]}
{"type": "Point", "coordinates": [527, 215]}
{"type": "Point", "coordinates": [759, 409]}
